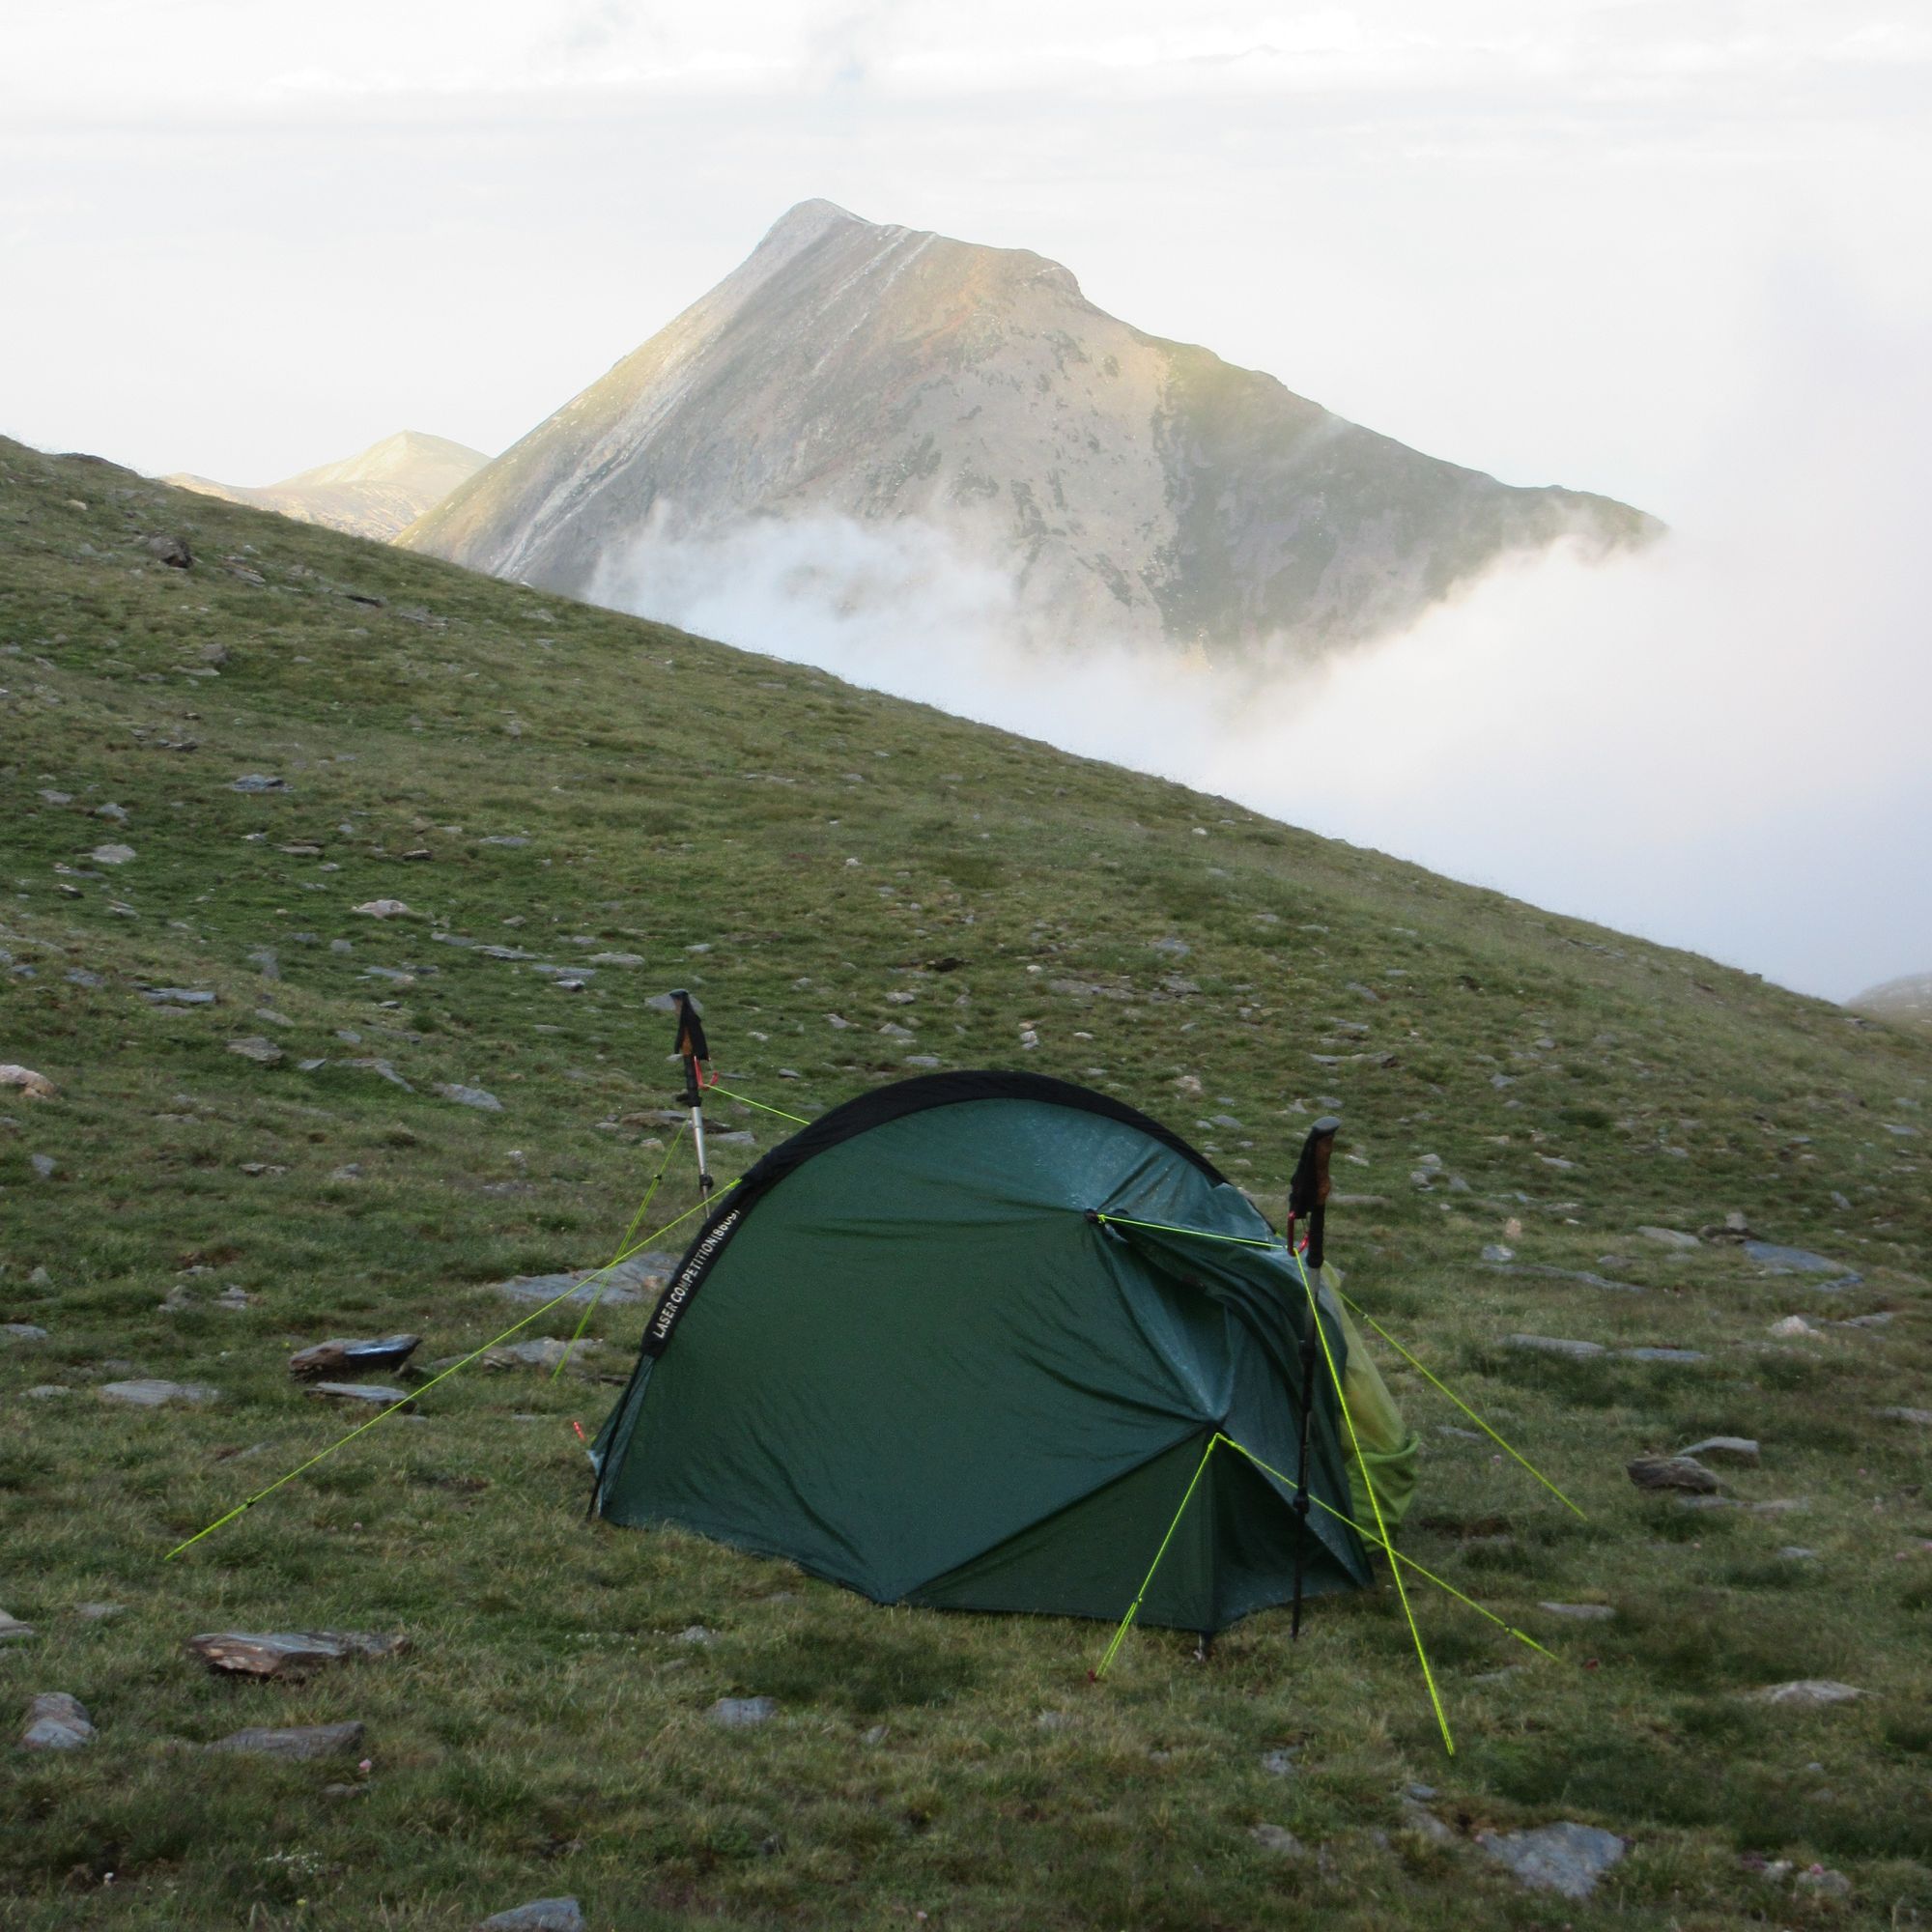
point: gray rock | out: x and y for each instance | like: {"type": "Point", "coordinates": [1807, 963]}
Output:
{"type": "Point", "coordinates": [56, 1721]}
{"type": "Point", "coordinates": [1658, 1354]}
{"type": "Point", "coordinates": [1583, 1613]}
{"type": "Point", "coordinates": [1829, 1884]}
{"type": "Point", "coordinates": [148, 1394]}
{"type": "Point", "coordinates": [471, 1097]}
{"type": "Point", "coordinates": [1776, 1259]}
{"type": "Point", "coordinates": [263, 1052]}
{"type": "Point", "coordinates": [696, 1634]}
{"type": "Point", "coordinates": [177, 996]}
{"type": "Point", "coordinates": [1808, 1693]}
{"type": "Point", "coordinates": [326, 1358]}
{"type": "Point", "coordinates": [385, 1071]}
{"type": "Point", "coordinates": [1797, 1553]}
{"type": "Point", "coordinates": [265, 963]}
{"type": "Point", "coordinates": [288, 1654]}
{"type": "Point", "coordinates": [630, 1281]}
{"type": "Point", "coordinates": [386, 909]}
{"type": "Point", "coordinates": [301, 1743]}
{"type": "Point", "coordinates": [1418, 1817]}
{"type": "Point", "coordinates": [1496, 1252]}
{"type": "Point", "coordinates": [742, 1714]}
{"type": "Point", "coordinates": [98, 1613]}
{"type": "Point", "coordinates": [43, 1164]}
{"type": "Point", "coordinates": [376, 1394]}
{"type": "Point", "coordinates": [540, 1914]}
{"type": "Point", "coordinates": [1278, 1763]}
{"type": "Point", "coordinates": [545, 1352]}
{"type": "Point", "coordinates": [1174, 949]}
{"type": "Point", "coordinates": [1726, 1449]}
{"type": "Point", "coordinates": [1672, 1472]}
{"type": "Point", "coordinates": [1551, 1345]}
{"type": "Point", "coordinates": [1920, 1417]}
{"type": "Point", "coordinates": [112, 855]}
{"type": "Point", "coordinates": [13, 1630]}
{"type": "Point", "coordinates": [1278, 1839]}
{"type": "Point", "coordinates": [79, 976]}
{"type": "Point", "coordinates": [258, 782]}
{"type": "Point", "coordinates": [47, 1391]}
{"type": "Point", "coordinates": [1669, 1237]}
{"type": "Point", "coordinates": [22, 1331]}
{"type": "Point", "coordinates": [1568, 1858]}
{"type": "Point", "coordinates": [172, 551]}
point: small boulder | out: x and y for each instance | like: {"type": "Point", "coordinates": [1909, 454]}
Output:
{"type": "Point", "coordinates": [22, 1331]}
{"type": "Point", "coordinates": [56, 1721]}
{"type": "Point", "coordinates": [377, 1395]}
{"type": "Point", "coordinates": [326, 1358]}
{"type": "Point", "coordinates": [1669, 1237]}
{"type": "Point", "coordinates": [742, 1714]}
{"type": "Point", "coordinates": [1672, 1472]}
{"type": "Point", "coordinates": [1920, 1418]}
{"type": "Point", "coordinates": [471, 1097]}
{"type": "Point", "coordinates": [112, 855]}
{"type": "Point", "coordinates": [386, 909]}
{"type": "Point", "coordinates": [1810, 1693]}
{"type": "Point", "coordinates": [1792, 1328]}
{"type": "Point", "coordinates": [300, 1744]}
{"type": "Point", "coordinates": [177, 996]}
{"type": "Point", "coordinates": [1279, 1840]}
{"type": "Point", "coordinates": [258, 782]}
{"type": "Point", "coordinates": [172, 551]}
{"type": "Point", "coordinates": [35, 1086]}
{"type": "Point", "coordinates": [1567, 1859]}
{"type": "Point", "coordinates": [262, 1051]}
{"type": "Point", "coordinates": [288, 1654]}
{"type": "Point", "coordinates": [13, 1631]}
{"type": "Point", "coordinates": [1726, 1449]}
{"type": "Point", "coordinates": [540, 1914]}
{"type": "Point", "coordinates": [1583, 1613]}
{"type": "Point", "coordinates": [144, 1393]}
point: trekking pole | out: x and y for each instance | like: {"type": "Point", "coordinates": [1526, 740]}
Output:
{"type": "Point", "coordinates": [692, 1048]}
{"type": "Point", "coordinates": [1308, 1197]}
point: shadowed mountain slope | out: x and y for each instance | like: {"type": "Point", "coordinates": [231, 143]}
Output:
{"type": "Point", "coordinates": [1134, 487]}
{"type": "Point", "coordinates": [376, 494]}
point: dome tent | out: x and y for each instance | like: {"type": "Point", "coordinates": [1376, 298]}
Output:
{"type": "Point", "coordinates": [966, 1341]}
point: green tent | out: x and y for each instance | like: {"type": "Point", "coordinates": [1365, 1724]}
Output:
{"type": "Point", "coordinates": [923, 1350]}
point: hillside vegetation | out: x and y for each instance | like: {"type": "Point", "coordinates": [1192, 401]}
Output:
{"type": "Point", "coordinates": [545, 786]}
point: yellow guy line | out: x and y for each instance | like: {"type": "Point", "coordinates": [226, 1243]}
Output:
{"type": "Point", "coordinates": [623, 1249]}
{"type": "Point", "coordinates": [744, 1101]}
{"type": "Point", "coordinates": [1460, 1403]}
{"type": "Point", "coordinates": [1133, 1609]}
{"type": "Point", "coordinates": [363, 1428]}
{"type": "Point", "coordinates": [1368, 1535]}
{"type": "Point", "coordinates": [1375, 1503]}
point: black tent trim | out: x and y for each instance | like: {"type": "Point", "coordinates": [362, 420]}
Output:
{"type": "Point", "coordinates": [859, 1115]}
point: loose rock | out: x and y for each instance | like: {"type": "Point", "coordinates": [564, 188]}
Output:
{"type": "Point", "coordinates": [35, 1086]}
{"type": "Point", "coordinates": [1669, 1237]}
{"type": "Point", "coordinates": [540, 1914]}
{"type": "Point", "coordinates": [1672, 1472]}
{"type": "Point", "coordinates": [263, 1052]}
{"type": "Point", "coordinates": [471, 1097]}
{"type": "Point", "coordinates": [1568, 1858]}
{"type": "Point", "coordinates": [13, 1631]}
{"type": "Point", "coordinates": [1726, 1449]}
{"type": "Point", "coordinates": [1551, 1345]}
{"type": "Point", "coordinates": [389, 1352]}
{"type": "Point", "coordinates": [1810, 1693]}
{"type": "Point", "coordinates": [375, 1394]}
{"type": "Point", "coordinates": [56, 1721]}
{"type": "Point", "coordinates": [1279, 1839]}
{"type": "Point", "coordinates": [1583, 1613]}
{"type": "Point", "coordinates": [742, 1714]}
{"type": "Point", "coordinates": [149, 1394]}
{"type": "Point", "coordinates": [288, 1654]}
{"type": "Point", "coordinates": [257, 781]}
{"type": "Point", "coordinates": [302, 1743]}
{"type": "Point", "coordinates": [386, 909]}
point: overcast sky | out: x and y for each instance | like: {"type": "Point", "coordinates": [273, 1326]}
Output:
{"type": "Point", "coordinates": [1671, 249]}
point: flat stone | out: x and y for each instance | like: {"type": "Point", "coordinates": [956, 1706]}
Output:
{"type": "Point", "coordinates": [1672, 1472]}
{"type": "Point", "coordinates": [1496, 1253]}
{"type": "Point", "coordinates": [258, 782]}
{"type": "Point", "coordinates": [22, 1331]}
{"type": "Point", "coordinates": [386, 1071]}
{"type": "Point", "coordinates": [1278, 1839]}
{"type": "Point", "coordinates": [1567, 1859]}
{"type": "Point", "coordinates": [1810, 1693]}
{"type": "Point", "coordinates": [1583, 1613]}
{"type": "Point", "coordinates": [1776, 1259]}
{"type": "Point", "coordinates": [696, 1634]}
{"type": "Point", "coordinates": [112, 855]}
{"type": "Point", "coordinates": [98, 1613]}
{"type": "Point", "coordinates": [47, 1391]}
{"type": "Point", "coordinates": [742, 1714]}
{"type": "Point", "coordinates": [1792, 1328]}
{"type": "Point", "coordinates": [263, 1052]}
{"type": "Point", "coordinates": [56, 1721]}
{"type": "Point", "coordinates": [386, 909]}
{"type": "Point", "coordinates": [301, 1743]}
{"type": "Point", "coordinates": [1726, 1449]}
{"type": "Point", "coordinates": [326, 1358]}
{"type": "Point", "coordinates": [13, 1631]}
{"type": "Point", "coordinates": [35, 1086]}
{"type": "Point", "coordinates": [290, 1654]}
{"type": "Point", "coordinates": [1418, 1817]}
{"type": "Point", "coordinates": [143, 1393]}
{"type": "Point", "coordinates": [540, 1914]}
{"type": "Point", "coordinates": [1797, 1553]}
{"type": "Point", "coordinates": [1551, 1345]}
{"type": "Point", "coordinates": [376, 1394]}
{"type": "Point", "coordinates": [177, 996]}
{"type": "Point", "coordinates": [631, 1279]}
{"type": "Point", "coordinates": [471, 1097]}
{"type": "Point", "coordinates": [1920, 1417]}
{"type": "Point", "coordinates": [1669, 1237]}
{"type": "Point", "coordinates": [1658, 1354]}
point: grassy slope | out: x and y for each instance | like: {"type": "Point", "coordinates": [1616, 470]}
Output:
{"type": "Point", "coordinates": [828, 846]}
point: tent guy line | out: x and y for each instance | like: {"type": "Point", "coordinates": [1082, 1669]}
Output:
{"type": "Point", "coordinates": [363, 1428]}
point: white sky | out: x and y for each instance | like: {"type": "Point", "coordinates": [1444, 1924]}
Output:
{"type": "Point", "coordinates": [1672, 249]}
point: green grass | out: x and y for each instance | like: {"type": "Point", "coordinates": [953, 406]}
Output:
{"type": "Point", "coordinates": [545, 1733]}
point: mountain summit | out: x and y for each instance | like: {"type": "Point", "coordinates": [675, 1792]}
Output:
{"type": "Point", "coordinates": [374, 493]}
{"type": "Point", "coordinates": [1130, 485]}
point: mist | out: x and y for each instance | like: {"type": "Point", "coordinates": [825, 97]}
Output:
{"type": "Point", "coordinates": [1717, 742]}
